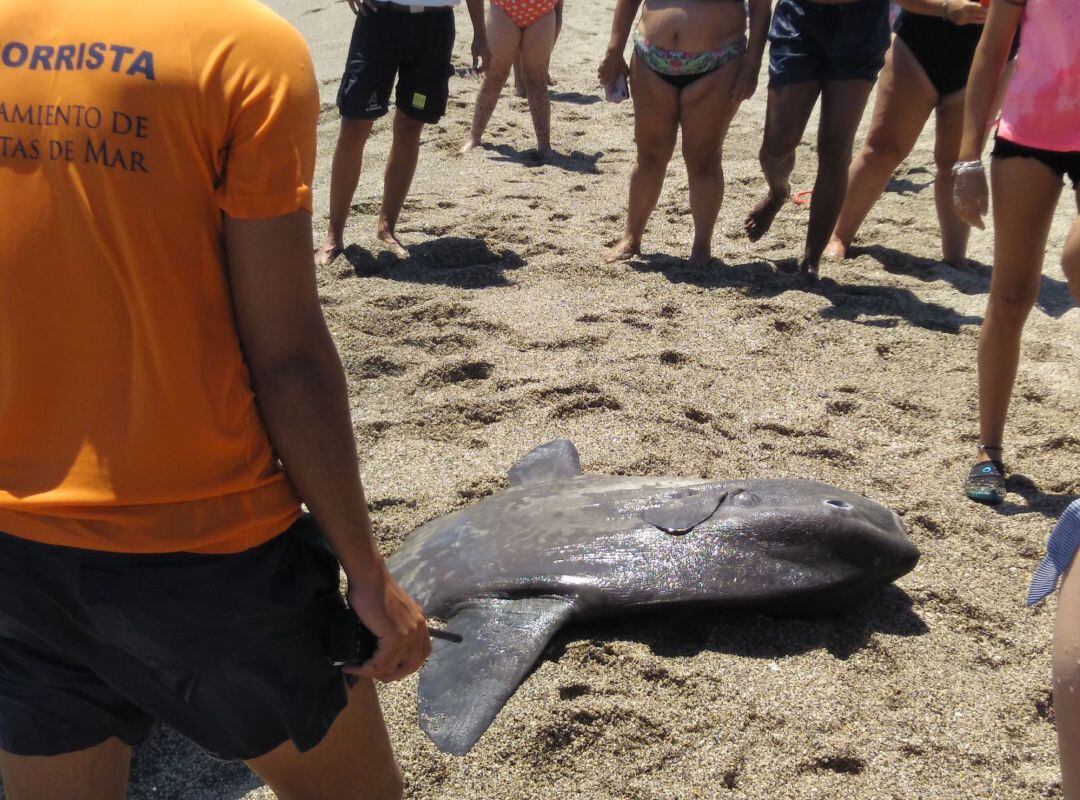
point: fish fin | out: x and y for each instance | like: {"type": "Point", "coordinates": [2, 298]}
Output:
{"type": "Point", "coordinates": [681, 514]}
{"type": "Point", "coordinates": [556, 459]}
{"type": "Point", "coordinates": [464, 686]}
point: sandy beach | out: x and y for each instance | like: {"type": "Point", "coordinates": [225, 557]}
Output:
{"type": "Point", "coordinates": [503, 330]}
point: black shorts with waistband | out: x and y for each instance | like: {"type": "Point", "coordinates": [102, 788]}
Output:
{"type": "Point", "coordinates": [1062, 162]}
{"type": "Point", "coordinates": [820, 42]}
{"type": "Point", "coordinates": [390, 42]}
{"type": "Point", "coordinates": [230, 650]}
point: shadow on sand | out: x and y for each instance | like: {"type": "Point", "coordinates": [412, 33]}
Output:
{"type": "Point", "coordinates": [866, 304]}
{"type": "Point", "coordinates": [1035, 500]}
{"type": "Point", "coordinates": [1054, 299]}
{"type": "Point", "coordinates": [575, 97]}
{"type": "Point", "coordinates": [689, 632]}
{"type": "Point", "coordinates": [575, 161]}
{"type": "Point", "coordinates": [458, 261]}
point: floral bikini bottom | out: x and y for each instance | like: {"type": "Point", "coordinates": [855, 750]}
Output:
{"type": "Point", "coordinates": [680, 68]}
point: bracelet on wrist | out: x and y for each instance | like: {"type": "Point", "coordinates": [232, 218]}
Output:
{"type": "Point", "coordinates": [966, 167]}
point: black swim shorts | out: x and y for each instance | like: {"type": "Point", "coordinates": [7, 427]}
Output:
{"type": "Point", "coordinates": [393, 42]}
{"type": "Point", "coordinates": [1060, 162]}
{"type": "Point", "coordinates": [227, 649]}
{"type": "Point", "coordinates": [836, 42]}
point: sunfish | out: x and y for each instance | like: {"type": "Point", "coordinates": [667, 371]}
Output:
{"type": "Point", "coordinates": [556, 545]}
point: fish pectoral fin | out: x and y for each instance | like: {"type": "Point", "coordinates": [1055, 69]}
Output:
{"type": "Point", "coordinates": [464, 686]}
{"type": "Point", "coordinates": [556, 459]}
{"type": "Point", "coordinates": [679, 516]}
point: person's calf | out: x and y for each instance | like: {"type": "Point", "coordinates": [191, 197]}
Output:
{"type": "Point", "coordinates": [1070, 261]}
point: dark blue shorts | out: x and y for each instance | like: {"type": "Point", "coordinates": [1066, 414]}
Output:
{"type": "Point", "coordinates": [230, 650]}
{"type": "Point", "coordinates": [814, 42]}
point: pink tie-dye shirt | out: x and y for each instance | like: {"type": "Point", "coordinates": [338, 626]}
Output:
{"type": "Point", "coordinates": [1042, 102]}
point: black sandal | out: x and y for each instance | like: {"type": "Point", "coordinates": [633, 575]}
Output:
{"type": "Point", "coordinates": [986, 481]}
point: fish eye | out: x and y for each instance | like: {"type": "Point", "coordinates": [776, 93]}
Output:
{"type": "Point", "coordinates": [744, 497]}
{"type": "Point", "coordinates": [838, 503]}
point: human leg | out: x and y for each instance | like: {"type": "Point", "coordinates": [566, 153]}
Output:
{"type": "Point", "coordinates": [905, 98]}
{"type": "Point", "coordinates": [1070, 258]}
{"type": "Point", "coordinates": [537, 42]}
{"type": "Point", "coordinates": [842, 105]}
{"type": "Point", "coordinates": [787, 111]}
{"type": "Point", "coordinates": [949, 129]}
{"type": "Point", "coordinates": [1025, 194]}
{"type": "Point", "coordinates": [1066, 682]}
{"type": "Point", "coordinates": [400, 168]}
{"type": "Point", "coordinates": [504, 38]}
{"type": "Point", "coordinates": [705, 112]}
{"type": "Point", "coordinates": [656, 109]}
{"type": "Point", "coordinates": [96, 773]}
{"type": "Point", "coordinates": [344, 178]}
{"type": "Point", "coordinates": [354, 761]}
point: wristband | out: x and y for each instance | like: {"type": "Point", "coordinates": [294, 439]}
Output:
{"type": "Point", "coordinates": [965, 167]}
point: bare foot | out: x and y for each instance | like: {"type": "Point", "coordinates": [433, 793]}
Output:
{"type": "Point", "coordinates": [959, 262]}
{"type": "Point", "coordinates": [545, 155]}
{"type": "Point", "coordinates": [700, 255]}
{"type": "Point", "coordinates": [471, 144]}
{"type": "Point", "coordinates": [808, 271]}
{"type": "Point", "coordinates": [389, 238]}
{"type": "Point", "coordinates": [624, 250]}
{"type": "Point", "coordinates": [761, 216]}
{"type": "Point", "coordinates": [836, 250]}
{"type": "Point", "coordinates": [330, 249]}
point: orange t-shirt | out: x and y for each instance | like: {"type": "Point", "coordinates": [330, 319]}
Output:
{"type": "Point", "coordinates": [127, 419]}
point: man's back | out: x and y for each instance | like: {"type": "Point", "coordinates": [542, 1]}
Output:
{"type": "Point", "coordinates": [127, 421]}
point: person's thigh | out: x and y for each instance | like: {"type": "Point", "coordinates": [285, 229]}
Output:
{"type": "Point", "coordinates": [949, 129]}
{"type": "Point", "coordinates": [504, 39]}
{"type": "Point", "coordinates": [97, 773]}
{"type": "Point", "coordinates": [1025, 195]}
{"type": "Point", "coordinates": [656, 111]}
{"type": "Point", "coordinates": [787, 111]}
{"type": "Point", "coordinates": [706, 110]}
{"type": "Point", "coordinates": [537, 42]}
{"type": "Point", "coordinates": [842, 106]}
{"type": "Point", "coordinates": [905, 98]}
{"type": "Point", "coordinates": [354, 761]}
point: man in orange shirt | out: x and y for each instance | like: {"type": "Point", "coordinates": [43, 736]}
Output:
{"type": "Point", "coordinates": [169, 393]}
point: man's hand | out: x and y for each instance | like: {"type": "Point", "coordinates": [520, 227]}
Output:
{"type": "Point", "coordinates": [971, 198]}
{"type": "Point", "coordinates": [363, 7]}
{"type": "Point", "coordinates": [397, 622]}
{"type": "Point", "coordinates": [964, 12]}
{"type": "Point", "coordinates": [611, 68]}
{"type": "Point", "coordinates": [746, 80]}
{"type": "Point", "coordinates": [481, 53]}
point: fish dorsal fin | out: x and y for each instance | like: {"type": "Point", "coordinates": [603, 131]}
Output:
{"type": "Point", "coordinates": [464, 686]}
{"type": "Point", "coordinates": [680, 514]}
{"type": "Point", "coordinates": [556, 459]}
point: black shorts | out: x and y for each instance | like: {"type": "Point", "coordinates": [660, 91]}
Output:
{"type": "Point", "coordinates": [227, 649]}
{"type": "Point", "coordinates": [944, 50]}
{"type": "Point", "coordinates": [1063, 163]}
{"type": "Point", "coordinates": [814, 42]}
{"type": "Point", "coordinates": [416, 48]}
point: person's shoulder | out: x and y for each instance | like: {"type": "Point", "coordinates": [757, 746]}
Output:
{"type": "Point", "coordinates": [240, 21]}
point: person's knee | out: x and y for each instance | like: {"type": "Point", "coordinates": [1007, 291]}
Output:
{"type": "Point", "coordinates": [354, 132]}
{"type": "Point", "coordinates": [496, 77]}
{"type": "Point", "coordinates": [702, 162]}
{"type": "Point", "coordinates": [1012, 303]}
{"type": "Point", "coordinates": [654, 157]}
{"type": "Point", "coordinates": [884, 150]}
{"type": "Point", "coordinates": [407, 130]}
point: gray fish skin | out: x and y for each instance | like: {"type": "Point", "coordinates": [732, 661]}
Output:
{"type": "Point", "coordinates": [584, 538]}
{"type": "Point", "coordinates": [557, 546]}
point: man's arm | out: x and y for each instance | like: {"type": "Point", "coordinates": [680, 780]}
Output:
{"type": "Point", "coordinates": [301, 392]}
{"type": "Point", "coordinates": [481, 53]}
{"type": "Point", "coordinates": [614, 63]}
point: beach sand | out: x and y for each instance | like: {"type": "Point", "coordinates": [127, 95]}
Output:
{"type": "Point", "coordinates": [504, 330]}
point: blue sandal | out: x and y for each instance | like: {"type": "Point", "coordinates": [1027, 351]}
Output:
{"type": "Point", "coordinates": [986, 481]}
